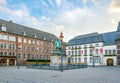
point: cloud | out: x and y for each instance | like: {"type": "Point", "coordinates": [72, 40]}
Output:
{"type": "Point", "coordinates": [45, 18]}
{"type": "Point", "coordinates": [2, 2]}
{"type": "Point", "coordinates": [51, 3]}
{"type": "Point", "coordinates": [73, 16]}
{"type": "Point", "coordinates": [95, 1]}
{"type": "Point", "coordinates": [59, 28]}
{"type": "Point", "coordinates": [21, 15]}
{"type": "Point", "coordinates": [58, 2]}
{"type": "Point", "coordinates": [115, 6]}
{"type": "Point", "coordinates": [84, 1]}
{"type": "Point", "coordinates": [44, 3]}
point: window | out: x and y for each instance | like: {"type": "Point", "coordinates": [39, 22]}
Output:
{"type": "Point", "coordinates": [45, 50]}
{"type": "Point", "coordinates": [75, 47]}
{"type": "Point", "coordinates": [79, 59]}
{"type": "Point", "coordinates": [19, 39]}
{"type": "Point", "coordinates": [91, 51]}
{"type": "Point", "coordinates": [72, 52]}
{"type": "Point", "coordinates": [19, 56]}
{"type": "Point", "coordinates": [3, 45]}
{"type": "Point", "coordinates": [96, 51]}
{"type": "Point", "coordinates": [24, 33]}
{"type": "Point", "coordinates": [114, 52]}
{"type": "Point", "coordinates": [40, 57]}
{"type": "Point", "coordinates": [97, 60]}
{"type": "Point", "coordinates": [33, 42]}
{"type": "Point", "coordinates": [1, 53]}
{"type": "Point", "coordinates": [106, 52]}
{"type": "Point", "coordinates": [75, 60]}
{"type": "Point", "coordinates": [41, 50]}
{"type": "Point", "coordinates": [12, 38]}
{"type": "Point", "coordinates": [85, 46]}
{"type": "Point", "coordinates": [24, 56]}
{"type": "Point", "coordinates": [28, 56]}
{"type": "Point", "coordinates": [32, 56]}
{"type": "Point", "coordinates": [5, 53]}
{"type": "Point", "coordinates": [11, 54]}
{"type": "Point", "coordinates": [85, 60]}
{"type": "Point", "coordinates": [11, 46]}
{"type": "Point", "coordinates": [91, 45]}
{"type": "Point", "coordinates": [3, 28]}
{"type": "Point", "coordinates": [36, 56]}
{"type": "Point", "coordinates": [3, 37]}
{"type": "Point", "coordinates": [25, 41]}
{"type": "Point", "coordinates": [24, 48]}
{"type": "Point", "coordinates": [118, 51]}
{"type": "Point", "coordinates": [33, 48]}
{"type": "Point", "coordinates": [29, 41]}
{"type": "Point", "coordinates": [68, 47]}
{"type": "Point", "coordinates": [75, 52]}
{"type": "Point", "coordinates": [96, 45]}
{"type": "Point", "coordinates": [85, 52]}
{"type": "Point", "coordinates": [110, 52]}
{"type": "Point", "coordinates": [28, 48]}
{"type": "Point", "coordinates": [91, 59]}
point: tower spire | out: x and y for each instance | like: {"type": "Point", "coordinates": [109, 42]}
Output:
{"type": "Point", "coordinates": [61, 36]}
{"type": "Point", "coordinates": [118, 28]}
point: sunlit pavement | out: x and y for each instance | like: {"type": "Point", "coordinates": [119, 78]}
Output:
{"type": "Point", "coordinates": [83, 75]}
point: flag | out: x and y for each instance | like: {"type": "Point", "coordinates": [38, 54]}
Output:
{"type": "Point", "coordinates": [101, 50]}
{"type": "Point", "coordinates": [81, 52]}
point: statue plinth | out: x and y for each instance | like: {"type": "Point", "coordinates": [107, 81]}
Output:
{"type": "Point", "coordinates": [56, 59]}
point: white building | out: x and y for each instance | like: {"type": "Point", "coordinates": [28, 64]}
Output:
{"type": "Point", "coordinates": [96, 48]}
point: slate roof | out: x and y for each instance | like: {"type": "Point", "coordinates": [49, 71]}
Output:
{"type": "Point", "coordinates": [108, 38]}
{"type": "Point", "coordinates": [30, 32]}
{"type": "Point", "coordinates": [85, 39]}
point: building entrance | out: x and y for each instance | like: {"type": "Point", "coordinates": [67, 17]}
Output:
{"type": "Point", "coordinates": [11, 62]}
{"type": "Point", "coordinates": [109, 62]}
{"type": "Point", "coordinates": [3, 62]}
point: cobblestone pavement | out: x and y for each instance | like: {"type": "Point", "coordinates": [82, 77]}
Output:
{"type": "Point", "coordinates": [83, 75]}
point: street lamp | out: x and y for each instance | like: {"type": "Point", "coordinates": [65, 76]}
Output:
{"type": "Point", "coordinates": [17, 47]}
{"type": "Point", "coordinates": [61, 39]}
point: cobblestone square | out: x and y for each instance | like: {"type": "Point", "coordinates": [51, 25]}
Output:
{"type": "Point", "coordinates": [83, 75]}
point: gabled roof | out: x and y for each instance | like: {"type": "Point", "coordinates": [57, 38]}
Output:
{"type": "Point", "coordinates": [30, 32]}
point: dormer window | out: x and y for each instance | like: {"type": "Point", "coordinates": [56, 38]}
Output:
{"type": "Point", "coordinates": [24, 33]}
{"type": "Point", "coordinates": [52, 40]}
{"type": "Point", "coordinates": [35, 36]}
{"type": "Point", "coordinates": [3, 27]}
{"type": "Point", "coordinates": [44, 38]}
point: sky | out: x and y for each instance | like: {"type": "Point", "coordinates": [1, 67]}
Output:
{"type": "Point", "coordinates": [72, 17]}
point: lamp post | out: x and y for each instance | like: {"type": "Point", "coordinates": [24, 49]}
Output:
{"type": "Point", "coordinates": [17, 47]}
{"type": "Point", "coordinates": [61, 52]}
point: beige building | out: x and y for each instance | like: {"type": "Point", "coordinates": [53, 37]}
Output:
{"type": "Point", "coordinates": [19, 43]}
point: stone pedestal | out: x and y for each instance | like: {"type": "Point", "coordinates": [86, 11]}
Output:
{"type": "Point", "coordinates": [56, 60]}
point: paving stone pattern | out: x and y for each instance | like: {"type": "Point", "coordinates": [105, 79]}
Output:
{"type": "Point", "coordinates": [83, 75]}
